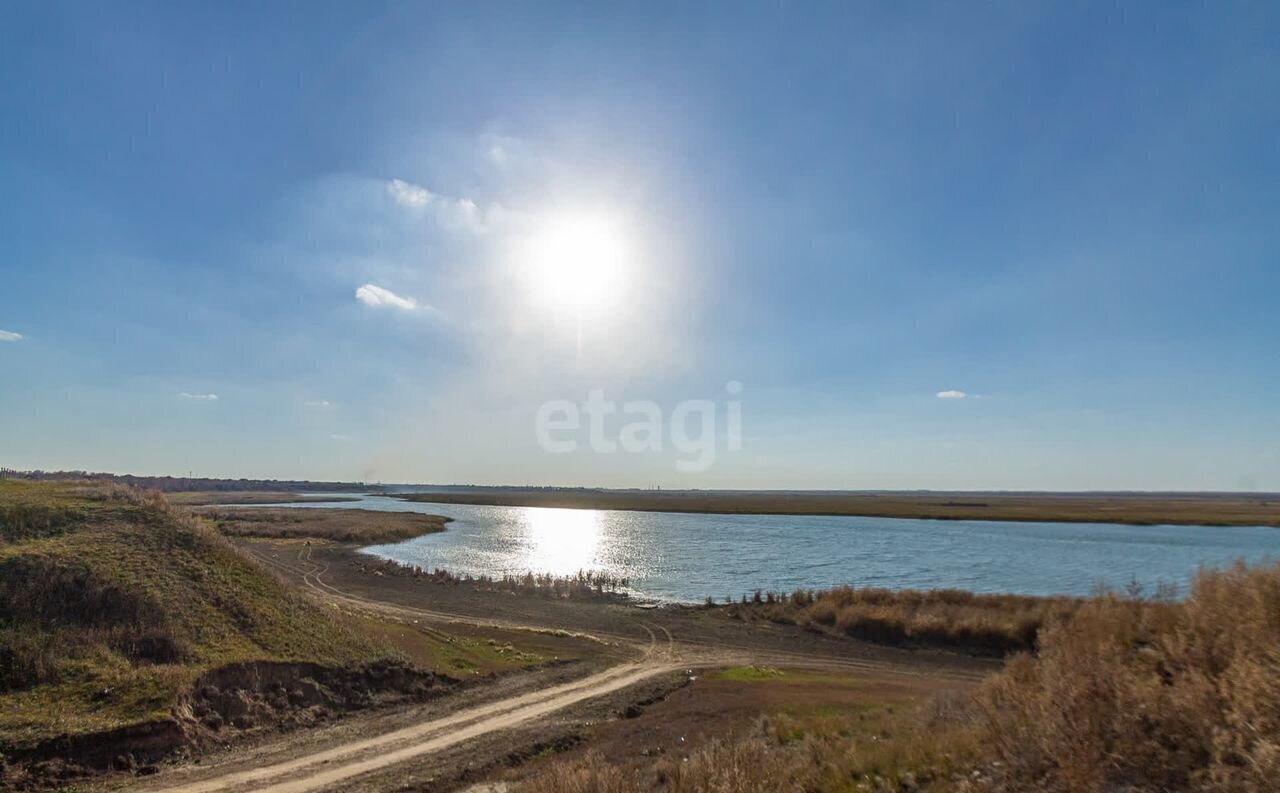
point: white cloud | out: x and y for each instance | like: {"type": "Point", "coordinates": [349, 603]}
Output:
{"type": "Point", "coordinates": [453, 214]}
{"type": "Point", "coordinates": [205, 397]}
{"type": "Point", "coordinates": [8, 335]}
{"type": "Point", "coordinates": [378, 297]}
{"type": "Point", "coordinates": [409, 194]}
{"type": "Point", "coordinates": [317, 403]}
{"type": "Point", "coordinates": [339, 437]}
{"type": "Point", "coordinates": [951, 394]}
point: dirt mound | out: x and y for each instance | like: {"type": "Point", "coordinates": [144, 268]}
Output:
{"type": "Point", "coordinates": [256, 695]}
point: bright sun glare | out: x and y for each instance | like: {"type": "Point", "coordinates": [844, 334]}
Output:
{"type": "Point", "coordinates": [579, 261]}
{"type": "Point", "coordinates": [561, 541]}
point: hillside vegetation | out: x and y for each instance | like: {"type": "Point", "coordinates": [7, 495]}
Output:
{"type": "Point", "coordinates": [112, 603]}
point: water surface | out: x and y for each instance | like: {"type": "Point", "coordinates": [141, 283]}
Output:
{"type": "Point", "coordinates": [686, 557]}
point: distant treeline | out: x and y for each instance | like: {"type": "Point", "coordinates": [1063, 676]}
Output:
{"type": "Point", "coordinates": [171, 484]}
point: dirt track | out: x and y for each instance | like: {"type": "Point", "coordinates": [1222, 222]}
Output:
{"type": "Point", "coordinates": [322, 769]}
{"type": "Point", "coordinates": [352, 760]}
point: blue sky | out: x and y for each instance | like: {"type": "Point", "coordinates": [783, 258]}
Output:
{"type": "Point", "coordinates": [1064, 213]}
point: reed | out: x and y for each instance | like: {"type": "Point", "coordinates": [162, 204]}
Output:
{"type": "Point", "coordinates": [584, 585]}
{"type": "Point", "coordinates": [944, 618]}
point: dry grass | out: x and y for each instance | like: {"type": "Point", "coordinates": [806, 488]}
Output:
{"type": "Point", "coordinates": [338, 525]}
{"type": "Point", "coordinates": [1124, 694]}
{"type": "Point", "coordinates": [1208, 509]}
{"type": "Point", "coordinates": [881, 749]}
{"type": "Point", "coordinates": [200, 498]}
{"type": "Point", "coordinates": [945, 618]}
{"type": "Point", "coordinates": [1135, 695]}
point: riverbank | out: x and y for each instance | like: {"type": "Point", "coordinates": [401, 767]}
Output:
{"type": "Point", "coordinates": [1184, 509]}
{"type": "Point", "coordinates": [200, 498]}
{"type": "Point", "coordinates": [342, 571]}
{"type": "Point", "coordinates": [359, 526]}
{"type": "Point", "coordinates": [1185, 700]}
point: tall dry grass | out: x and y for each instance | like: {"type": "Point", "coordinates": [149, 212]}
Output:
{"type": "Point", "coordinates": [947, 618]}
{"type": "Point", "coordinates": [1136, 695]}
{"type": "Point", "coordinates": [753, 765]}
{"type": "Point", "coordinates": [924, 749]}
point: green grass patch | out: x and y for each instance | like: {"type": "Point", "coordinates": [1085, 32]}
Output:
{"type": "Point", "coordinates": [749, 674]}
{"type": "Point", "coordinates": [449, 653]}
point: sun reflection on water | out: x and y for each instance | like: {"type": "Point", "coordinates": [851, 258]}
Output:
{"type": "Point", "coordinates": [561, 541]}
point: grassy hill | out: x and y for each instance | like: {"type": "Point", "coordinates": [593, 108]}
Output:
{"type": "Point", "coordinates": [113, 604]}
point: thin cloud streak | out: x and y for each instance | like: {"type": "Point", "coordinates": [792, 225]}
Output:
{"type": "Point", "coordinates": [376, 296]}
{"type": "Point", "coordinates": [202, 397]}
{"type": "Point", "coordinates": [454, 214]}
{"type": "Point", "coordinates": [409, 194]}
{"type": "Point", "coordinates": [8, 335]}
{"type": "Point", "coordinates": [951, 394]}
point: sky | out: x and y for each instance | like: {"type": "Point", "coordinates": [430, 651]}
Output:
{"type": "Point", "coordinates": [872, 246]}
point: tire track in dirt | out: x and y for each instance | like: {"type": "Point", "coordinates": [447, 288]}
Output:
{"type": "Point", "coordinates": [321, 769]}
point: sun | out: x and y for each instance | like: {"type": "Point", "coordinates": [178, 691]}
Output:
{"type": "Point", "coordinates": [578, 262]}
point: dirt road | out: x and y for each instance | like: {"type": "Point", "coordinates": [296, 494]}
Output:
{"type": "Point", "coordinates": [329, 768]}
{"type": "Point", "coordinates": [326, 768]}
{"type": "Point", "coordinates": [358, 759]}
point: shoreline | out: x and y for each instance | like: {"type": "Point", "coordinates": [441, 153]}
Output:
{"type": "Point", "coordinates": [1209, 510]}
{"type": "Point", "coordinates": [334, 568]}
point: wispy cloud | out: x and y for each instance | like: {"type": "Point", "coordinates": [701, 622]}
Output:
{"type": "Point", "coordinates": [204, 397]}
{"type": "Point", "coordinates": [339, 437]}
{"type": "Point", "coordinates": [409, 194]}
{"type": "Point", "coordinates": [378, 297]}
{"type": "Point", "coordinates": [317, 403]}
{"type": "Point", "coordinates": [454, 214]}
{"type": "Point", "coordinates": [8, 335]}
{"type": "Point", "coordinates": [951, 394]}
